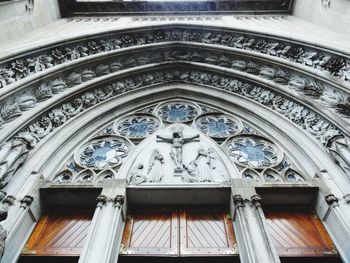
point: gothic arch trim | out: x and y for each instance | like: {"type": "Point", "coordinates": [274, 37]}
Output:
{"type": "Point", "coordinates": [314, 90]}
{"type": "Point", "coordinates": [78, 130]}
{"type": "Point", "coordinates": [54, 115]}
{"type": "Point", "coordinates": [20, 66]}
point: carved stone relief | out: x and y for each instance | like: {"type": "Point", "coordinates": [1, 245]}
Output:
{"type": "Point", "coordinates": [292, 110]}
{"type": "Point", "coordinates": [155, 172]}
{"type": "Point", "coordinates": [321, 93]}
{"type": "Point", "coordinates": [311, 57]}
{"type": "Point", "coordinates": [177, 141]}
{"type": "Point", "coordinates": [186, 157]}
{"type": "Point", "coordinates": [136, 175]}
{"type": "Point", "coordinates": [205, 164]}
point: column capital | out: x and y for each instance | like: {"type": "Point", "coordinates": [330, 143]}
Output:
{"type": "Point", "coordinates": [101, 200]}
{"type": "Point", "coordinates": [237, 200]}
{"type": "Point", "coordinates": [347, 198]}
{"type": "Point", "coordinates": [332, 200]}
{"type": "Point", "coordinates": [256, 200]}
{"type": "Point", "coordinates": [26, 201]}
{"type": "Point", "coordinates": [119, 200]}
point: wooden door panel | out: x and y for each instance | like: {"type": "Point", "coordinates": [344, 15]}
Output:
{"type": "Point", "coordinates": [297, 231]}
{"type": "Point", "coordinates": [169, 231]}
{"type": "Point", "coordinates": [206, 232]}
{"type": "Point", "coordinates": [150, 232]}
{"type": "Point", "coordinates": [60, 231]}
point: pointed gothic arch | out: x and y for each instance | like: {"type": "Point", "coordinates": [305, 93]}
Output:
{"type": "Point", "coordinates": [291, 91]}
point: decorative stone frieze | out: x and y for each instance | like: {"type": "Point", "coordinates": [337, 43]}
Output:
{"type": "Point", "coordinates": [307, 119]}
{"type": "Point", "coordinates": [321, 93]}
{"type": "Point", "coordinates": [300, 53]}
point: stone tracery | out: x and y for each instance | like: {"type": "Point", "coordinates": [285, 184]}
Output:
{"type": "Point", "coordinates": [205, 165]}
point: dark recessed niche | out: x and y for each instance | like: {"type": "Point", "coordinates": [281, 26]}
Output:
{"type": "Point", "coordinates": [75, 7]}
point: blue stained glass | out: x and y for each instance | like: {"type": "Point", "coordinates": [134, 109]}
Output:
{"type": "Point", "coordinates": [177, 113]}
{"type": "Point", "coordinates": [253, 153]}
{"type": "Point", "coordinates": [100, 154]}
{"type": "Point", "coordinates": [138, 128]}
{"type": "Point", "coordinates": [217, 127]}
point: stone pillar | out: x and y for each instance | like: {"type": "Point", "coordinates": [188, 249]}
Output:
{"type": "Point", "coordinates": [335, 215]}
{"type": "Point", "coordinates": [105, 233]}
{"type": "Point", "coordinates": [254, 242]}
{"type": "Point", "coordinates": [22, 218]}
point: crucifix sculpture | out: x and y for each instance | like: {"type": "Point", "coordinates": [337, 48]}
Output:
{"type": "Point", "coordinates": [177, 140]}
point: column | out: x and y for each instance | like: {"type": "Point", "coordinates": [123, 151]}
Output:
{"type": "Point", "coordinates": [254, 242]}
{"type": "Point", "coordinates": [336, 219]}
{"type": "Point", "coordinates": [334, 210]}
{"type": "Point", "coordinates": [105, 233]}
{"type": "Point", "coordinates": [22, 218]}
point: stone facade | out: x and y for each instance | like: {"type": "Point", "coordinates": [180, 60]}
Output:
{"type": "Point", "coordinates": [212, 105]}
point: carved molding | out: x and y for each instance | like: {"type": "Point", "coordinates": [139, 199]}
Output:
{"type": "Point", "coordinates": [319, 92]}
{"type": "Point", "coordinates": [300, 115]}
{"type": "Point", "coordinates": [307, 119]}
{"type": "Point", "coordinates": [24, 66]}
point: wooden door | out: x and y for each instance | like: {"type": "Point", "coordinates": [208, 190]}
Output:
{"type": "Point", "coordinates": [189, 231]}
{"type": "Point", "coordinates": [298, 232]}
{"type": "Point", "coordinates": [151, 231]}
{"type": "Point", "coordinates": [60, 232]}
{"type": "Point", "coordinates": [206, 231]}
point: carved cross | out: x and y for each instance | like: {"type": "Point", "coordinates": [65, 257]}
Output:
{"type": "Point", "coordinates": [177, 140]}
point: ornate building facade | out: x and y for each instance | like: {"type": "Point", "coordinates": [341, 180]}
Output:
{"type": "Point", "coordinates": [146, 131]}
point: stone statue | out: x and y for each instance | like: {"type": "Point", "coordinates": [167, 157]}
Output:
{"type": "Point", "coordinates": [192, 173]}
{"type": "Point", "coordinates": [203, 165]}
{"type": "Point", "coordinates": [136, 175]}
{"type": "Point", "coordinates": [177, 141]}
{"type": "Point", "coordinates": [5, 205]}
{"type": "Point", "coordinates": [3, 236]}
{"type": "Point", "coordinates": [217, 170]}
{"type": "Point", "coordinates": [155, 171]}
